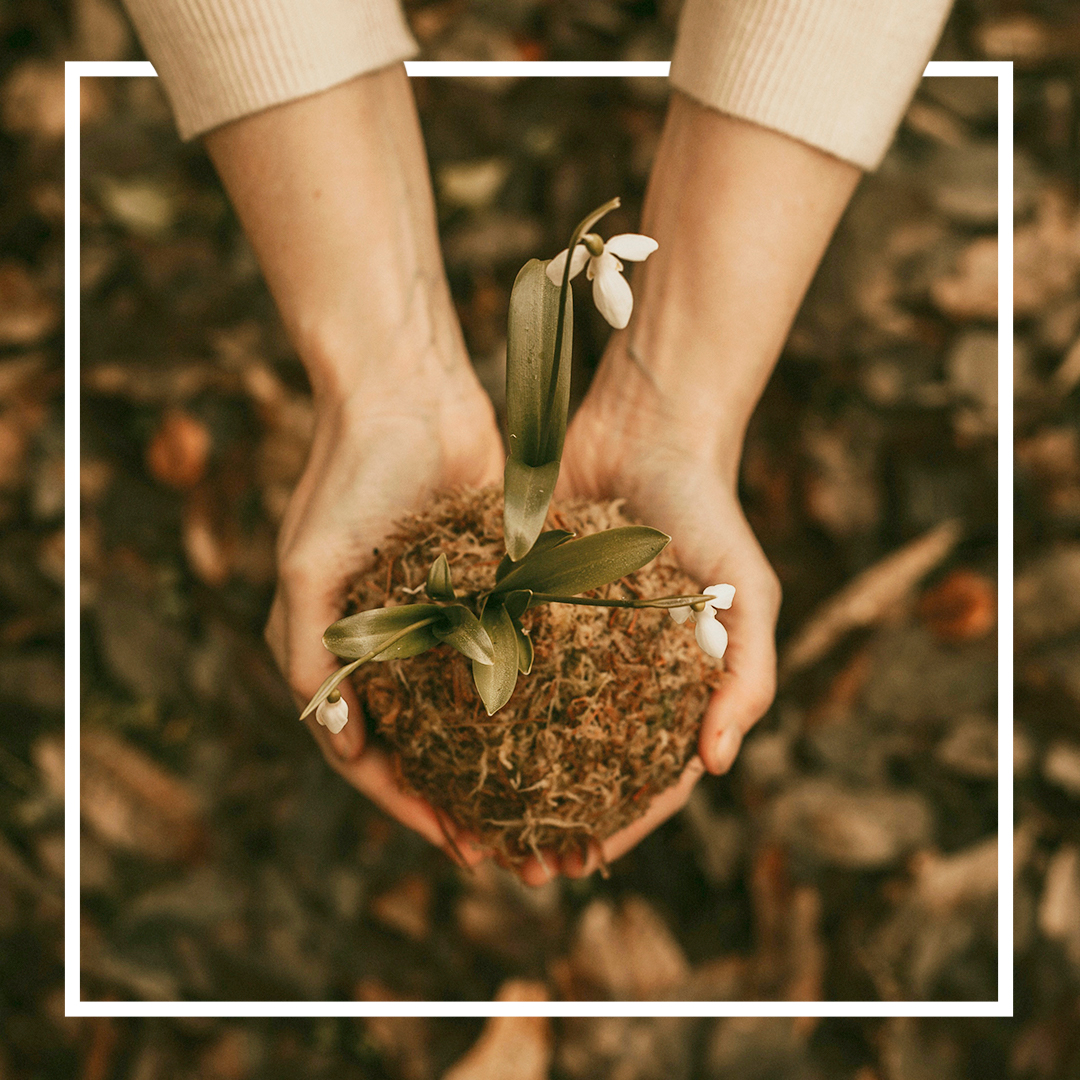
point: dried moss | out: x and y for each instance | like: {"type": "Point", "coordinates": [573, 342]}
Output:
{"type": "Point", "coordinates": [606, 720]}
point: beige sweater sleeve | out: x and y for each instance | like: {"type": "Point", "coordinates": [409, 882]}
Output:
{"type": "Point", "coordinates": [834, 73]}
{"type": "Point", "coordinates": [837, 74]}
{"type": "Point", "coordinates": [222, 59]}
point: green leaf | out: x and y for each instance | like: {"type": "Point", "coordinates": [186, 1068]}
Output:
{"type": "Point", "coordinates": [551, 538]}
{"type": "Point", "coordinates": [327, 687]}
{"type": "Point", "coordinates": [530, 359]}
{"type": "Point", "coordinates": [357, 635]}
{"type": "Point", "coordinates": [460, 628]}
{"type": "Point", "coordinates": [496, 682]}
{"type": "Point", "coordinates": [517, 602]}
{"type": "Point", "coordinates": [586, 563]}
{"type": "Point", "coordinates": [527, 492]}
{"type": "Point", "coordinates": [439, 585]}
{"type": "Point", "coordinates": [524, 649]}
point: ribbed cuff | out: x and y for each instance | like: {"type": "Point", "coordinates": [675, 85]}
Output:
{"type": "Point", "coordinates": [837, 74]}
{"type": "Point", "coordinates": [223, 59]}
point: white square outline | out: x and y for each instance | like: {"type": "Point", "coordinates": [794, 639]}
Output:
{"type": "Point", "coordinates": [75, 1006]}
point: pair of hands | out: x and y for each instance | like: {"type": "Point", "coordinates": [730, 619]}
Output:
{"type": "Point", "coordinates": [373, 460]}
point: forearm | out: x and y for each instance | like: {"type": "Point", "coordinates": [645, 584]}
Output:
{"type": "Point", "coordinates": [742, 215]}
{"type": "Point", "coordinates": [334, 193]}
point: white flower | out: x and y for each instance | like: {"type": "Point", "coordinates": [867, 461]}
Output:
{"type": "Point", "coordinates": [333, 714]}
{"type": "Point", "coordinates": [611, 291]}
{"type": "Point", "coordinates": [722, 595]}
{"type": "Point", "coordinates": [709, 631]}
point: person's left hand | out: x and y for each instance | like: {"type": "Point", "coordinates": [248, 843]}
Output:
{"type": "Point", "coordinates": [670, 485]}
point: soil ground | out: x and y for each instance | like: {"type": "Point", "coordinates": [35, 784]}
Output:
{"type": "Point", "coordinates": [850, 854]}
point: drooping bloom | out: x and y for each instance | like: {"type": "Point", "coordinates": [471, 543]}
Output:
{"type": "Point", "coordinates": [710, 633]}
{"type": "Point", "coordinates": [611, 291]}
{"type": "Point", "coordinates": [333, 715]}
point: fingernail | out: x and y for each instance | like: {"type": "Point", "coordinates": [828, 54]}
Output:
{"type": "Point", "coordinates": [573, 865]}
{"type": "Point", "coordinates": [727, 748]}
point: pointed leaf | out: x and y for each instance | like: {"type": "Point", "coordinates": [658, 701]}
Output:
{"type": "Point", "coordinates": [527, 492]}
{"type": "Point", "coordinates": [551, 538]}
{"type": "Point", "coordinates": [357, 635]}
{"type": "Point", "coordinates": [586, 563]}
{"type": "Point", "coordinates": [496, 682]}
{"type": "Point", "coordinates": [439, 585]}
{"type": "Point", "coordinates": [524, 647]}
{"type": "Point", "coordinates": [460, 628]}
{"type": "Point", "coordinates": [530, 358]}
{"type": "Point", "coordinates": [517, 602]}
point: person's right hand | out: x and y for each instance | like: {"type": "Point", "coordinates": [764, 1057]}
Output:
{"type": "Point", "coordinates": [374, 457]}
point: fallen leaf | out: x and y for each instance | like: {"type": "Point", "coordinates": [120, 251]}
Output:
{"type": "Point", "coordinates": [132, 802]}
{"type": "Point", "coordinates": [869, 596]}
{"type": "Point", "coordinates": [625, 953]}
{"type": "Point", "coordinates": [510, 1047]}
{"type": "Point", "coordinates": [179, 450]}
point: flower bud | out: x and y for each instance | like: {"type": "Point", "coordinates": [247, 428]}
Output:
{"type": "Point", "coordinates": [333, 715]}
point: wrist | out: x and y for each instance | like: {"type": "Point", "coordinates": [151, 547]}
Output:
{"type": "Point", "coordinates": [650, 399]}
{"type": "Point", "coordinates": [356, 356]}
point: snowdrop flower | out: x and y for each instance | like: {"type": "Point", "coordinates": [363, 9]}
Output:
{"type": "Point", "coordinates": [611, 291]}
{"type": "Point", "coordinates": [711, 634]}
{"type": "Point", "coordinates": [722, 595]}
{"type": "Point", "coordinates": [333, 714]}
{"type": "Point", "coordinates": [709, 631]}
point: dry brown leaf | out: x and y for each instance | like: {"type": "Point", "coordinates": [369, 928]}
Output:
{"type": "Point", "coordinates": [867, 598]}
{"type": "Point", "coordinates": [626, 953]}
{"type": "Point", "coordinates": [32, 100]}
{"type": "Point", "coordinates": [131, 802]}
{"type": "Point", "coordinates": [27, 312]}
{"type": "Point", "coordinates": [1059, 908]}
{"type": "Point", "coordinates": [510, 1047]}
{"type": "Point", "coordinates": [961, 607]}
{"type": "Point", "coordinates": [406, 907]}
{"type": "Point", "coordinates": [945, 882]}
{"type": "Point", "coordinates": [970, 289]}
{"type": "Point", "coordinates": [178, 452]}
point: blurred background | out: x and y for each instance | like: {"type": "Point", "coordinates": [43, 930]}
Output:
{"type": "Point", "coordinates": [851, 852]}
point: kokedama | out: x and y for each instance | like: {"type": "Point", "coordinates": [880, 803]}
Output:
{"type": "Point", "coordinates": [607, 713]}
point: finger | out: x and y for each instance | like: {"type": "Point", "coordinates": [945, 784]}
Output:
{"type": "Point", "coordinates": [536, 871]}
{"type": "Point", "coordinates": [749, 682]}
{"type": "Point", "coordinates": [667, 803]}
{"type": "Point", "coordinates": [307, 663]}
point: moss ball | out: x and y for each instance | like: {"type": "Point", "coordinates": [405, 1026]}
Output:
{"type": "Point", "coordinates": [607, 718]}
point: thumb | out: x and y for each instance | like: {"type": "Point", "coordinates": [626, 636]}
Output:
{"type": "Point", "coordinates": [749, 681]}
{"type": "Point", "coordinates": [294, 632]}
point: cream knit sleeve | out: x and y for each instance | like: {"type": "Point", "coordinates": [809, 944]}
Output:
{"type": "Point", "coordinates": [222, 59]}
{"type": "Point", "coordinates": [834, 73]}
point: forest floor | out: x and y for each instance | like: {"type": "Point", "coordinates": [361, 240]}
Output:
{"type": "Point", "coordinates": [851, 854]}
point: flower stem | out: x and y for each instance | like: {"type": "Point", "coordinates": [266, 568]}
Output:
{"type": "Point", "coordinates": [589, 601]}
{"type": "Point", "coordinates": [331, 682]}
{"type": "Point", "coordinates": [583, 227]}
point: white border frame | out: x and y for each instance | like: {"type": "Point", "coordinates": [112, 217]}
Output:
{"type": "Point", "coordinates": [75, 1006]}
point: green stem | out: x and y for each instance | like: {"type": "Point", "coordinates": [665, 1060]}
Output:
{"type": "Point", "coordinates": [332, 680]}
{"type": "Point", "coordinates": [587, 601]}
{"type": "Point", "coordinates": [583, 227]}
